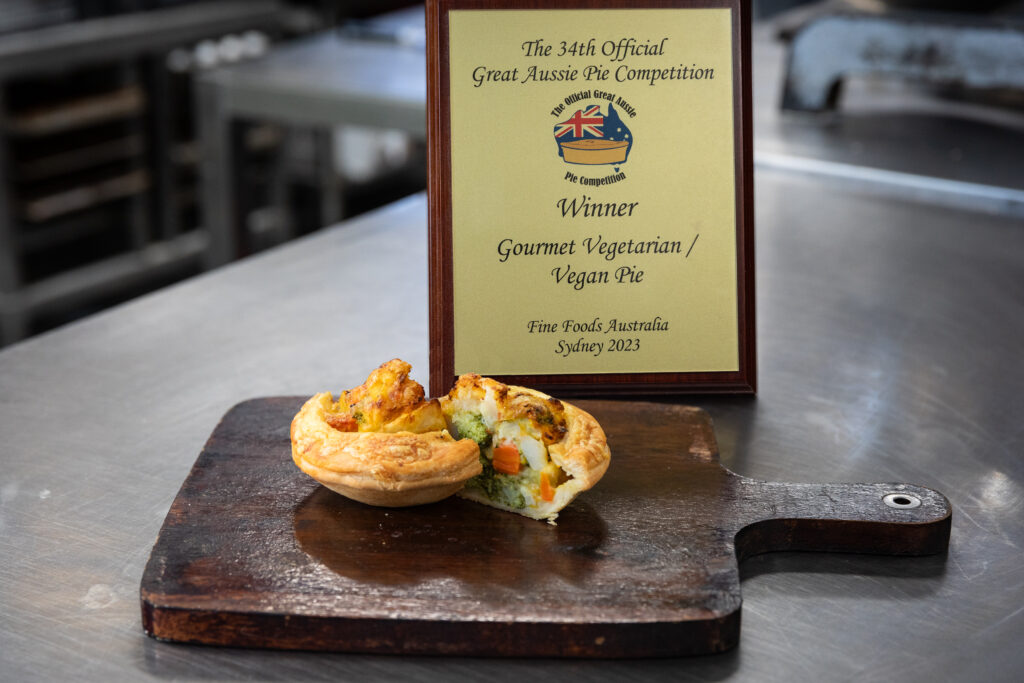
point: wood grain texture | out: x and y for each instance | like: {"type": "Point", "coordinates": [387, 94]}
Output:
{"type": "Point", "coordinates": [439, 189]}
{"type": "Point", "coordinates": [254, 553]}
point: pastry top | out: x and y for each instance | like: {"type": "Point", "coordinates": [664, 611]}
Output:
{"type": "Point", "coordinates": [388, 401]}
{"type": "Point", "coordinates": [382, 443]}
{"type": "Point", "coordinates": [538, 453]}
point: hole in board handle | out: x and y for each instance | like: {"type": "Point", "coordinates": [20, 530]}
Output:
{"type": "Point", "coordinates": [902, 501]}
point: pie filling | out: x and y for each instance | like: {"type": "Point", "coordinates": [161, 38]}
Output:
{"type": "Point", "coordinates": [517, 469]}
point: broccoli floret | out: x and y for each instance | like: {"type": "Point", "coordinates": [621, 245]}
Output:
{"type": "Point", "coordinates": [471, 426]}
{"type": "Point", "coordinates": [512, 496]}
{"type": "Point", "coordinates": [502, 488]}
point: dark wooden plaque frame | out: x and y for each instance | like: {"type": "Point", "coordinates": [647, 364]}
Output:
{"type": "Point", "coordinates": [439, 186]}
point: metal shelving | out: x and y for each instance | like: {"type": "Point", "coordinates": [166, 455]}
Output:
{"type": "Point", "coordinates": [98, 161]}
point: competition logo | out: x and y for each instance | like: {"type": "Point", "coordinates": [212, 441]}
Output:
{"type": "Point", "coordinates": [592, 138]}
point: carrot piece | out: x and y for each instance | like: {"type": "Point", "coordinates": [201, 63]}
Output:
{"type": "Point", "coordinates": [546, 492]}
{"type": "Point", "coordinates": [506, 459]}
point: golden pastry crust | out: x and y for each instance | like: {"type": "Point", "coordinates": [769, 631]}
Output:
{"type": "Point", "coordinates": [574, 442]}
{"type": "Point", "coordinates": [381, 443]}
{"type": "Point", "coordinates": [387, 401]}
{"type": "Point", "coordinates": [583, 453]}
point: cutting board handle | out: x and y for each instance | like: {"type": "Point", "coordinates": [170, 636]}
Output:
{"type": "Point", "coordinates": [890, 519]}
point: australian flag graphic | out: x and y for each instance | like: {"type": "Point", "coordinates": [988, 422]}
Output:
{"type": "Point", "coordinates": [589, 123]}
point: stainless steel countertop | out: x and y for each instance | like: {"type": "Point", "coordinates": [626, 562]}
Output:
{"type": "Point", "coordinates": [889, 348]}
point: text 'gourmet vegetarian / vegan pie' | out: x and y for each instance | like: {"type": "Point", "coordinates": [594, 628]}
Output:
{"type": "Point", "coordinates": [509, 447]}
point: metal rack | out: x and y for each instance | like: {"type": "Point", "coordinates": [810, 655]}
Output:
{"type": "Point", "coordinates": [98, 162]}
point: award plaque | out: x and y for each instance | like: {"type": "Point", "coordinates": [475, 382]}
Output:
{"type": "Point", "coordinates": [591, 195]}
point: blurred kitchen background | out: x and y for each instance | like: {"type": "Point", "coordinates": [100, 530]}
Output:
{"type": "Point", "coordinates": [145, 141]}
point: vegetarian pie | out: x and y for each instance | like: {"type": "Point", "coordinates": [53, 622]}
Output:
{"type": "Point", "coordinates": [509, 447]}
{"type": "Point", "coordinates": [382, 443]}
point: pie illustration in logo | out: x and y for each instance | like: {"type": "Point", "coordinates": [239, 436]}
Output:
{"type": "Point", "coordinates": [590, 137]}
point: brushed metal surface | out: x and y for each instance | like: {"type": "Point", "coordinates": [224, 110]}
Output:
{"type": "Point", "coordinates": [889, 337]}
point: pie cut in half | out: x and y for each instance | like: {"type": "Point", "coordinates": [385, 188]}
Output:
{"type": "Point", "coordinates": [382, 443]}
{"type": "Point", "coordinates": [508, 447]}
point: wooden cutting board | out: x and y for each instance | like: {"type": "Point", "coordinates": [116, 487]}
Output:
{"type": "Point", "coordinates": [255, 553]}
